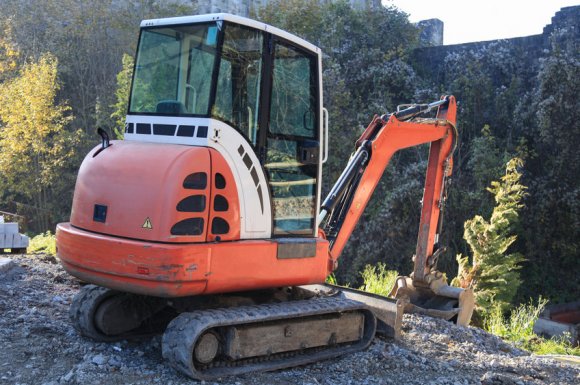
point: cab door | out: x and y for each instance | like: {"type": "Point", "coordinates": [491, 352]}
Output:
{"type": "Point", "coordinates": [292, 145]}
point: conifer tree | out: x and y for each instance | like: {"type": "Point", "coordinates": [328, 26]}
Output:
{"type": "Point", "coordinates": [491, 271]}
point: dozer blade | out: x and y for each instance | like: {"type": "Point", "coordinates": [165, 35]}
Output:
{"type": "Point", "coordinates": [389, 312]}
{"type": "Point", "coordinates": [436, 298]}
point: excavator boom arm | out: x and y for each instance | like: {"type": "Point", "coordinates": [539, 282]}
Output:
{"type": "Point", "coordinates": [385, 136]}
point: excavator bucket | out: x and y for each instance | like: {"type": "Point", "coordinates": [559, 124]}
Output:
{"type": "Point", "coordinates": [437, 299]}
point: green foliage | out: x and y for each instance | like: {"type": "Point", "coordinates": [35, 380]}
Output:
{"type": "Point", "coordinates": [301, 17]}
{"type": "Point", "coordinates": [89, 39]}
{"type": "Point", "coordinates": [35, 148]}
{"type": "Point", "coordinates": [518, 328]}
{"type": "Point", "coordinates": [378, 280]}
{"type": "Point", "coordinates": [492, 272]}
{"type": "Point", "coordinates": [122, 94]}
{"type": "Point", "coordinates": [552, 217]}
{"type": "Point", "coordinates": [8, 51]}
{"type": "Point", "coordinates": [44, 243]}
{"type": "Point", "coordinates": [331, 279]}
{"type": "Point", "coordinates": [519, 325]}
{"type": "Point", "coordinates": [554, 345]}
{"type": "Point", "coordinates": [485, 164]}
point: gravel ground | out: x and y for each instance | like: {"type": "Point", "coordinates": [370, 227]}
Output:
{"type": "Point", "coordinates": [38, 345]}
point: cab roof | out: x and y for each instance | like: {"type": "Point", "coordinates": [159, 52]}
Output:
{"type": "Point", "coordinates": [234, 19]}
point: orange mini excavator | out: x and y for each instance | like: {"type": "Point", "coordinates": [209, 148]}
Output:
{"type": "Point", "coordinates": [206, 221]}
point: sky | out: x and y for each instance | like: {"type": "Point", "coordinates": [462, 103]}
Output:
{"type": "Point", "coordinates": [480, 20]}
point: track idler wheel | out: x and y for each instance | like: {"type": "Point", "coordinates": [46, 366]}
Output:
{"type": "Point", "coordinates": [206, 348]}
{"type": "Point", "coordinates": [107, 315]}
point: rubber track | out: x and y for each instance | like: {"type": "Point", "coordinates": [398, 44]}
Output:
{"type": "Point", "coordinates": [82, 312]}
{"type": "Point", "coordinates": [182, 333]}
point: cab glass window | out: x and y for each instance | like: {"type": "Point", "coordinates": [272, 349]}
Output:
{"type": "Point", "coordinates": [292, 148]}
{"type": "Point", "coordinates": [173, 70]}
{"type": "Point", "coordinates": [293, 103]}
{"type": "Point", "coordinates": [238, 83]}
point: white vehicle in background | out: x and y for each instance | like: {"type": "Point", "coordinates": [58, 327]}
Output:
{"type": "Point", "coordinates": [10, 238]}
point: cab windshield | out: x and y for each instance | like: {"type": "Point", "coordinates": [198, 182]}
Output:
{"type": "Point", "coordinates": [173, 70]}
{"type": "Point", "coordinates": [179, 70]}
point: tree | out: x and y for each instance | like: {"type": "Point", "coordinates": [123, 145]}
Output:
{"type": "Point", "coordinates": [89, 39]}
{"type": "Point", "coordinates": [552, 214]}
{"type": "Point", "coordinates": [35, 148]}
{"type": "Point", "coordinates": [122, 94]}
{"type": "Point", "coordinates": [493, 272]}
{"type": "Point", "coordinates": [8, 52]}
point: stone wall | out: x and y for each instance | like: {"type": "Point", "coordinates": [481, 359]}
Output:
{"type": "Point", "coordinates": [244, 7]}
{"type": "Point", "coordinates": [431, 32]}
{"type": "Point", "coordinates": [564, 31]}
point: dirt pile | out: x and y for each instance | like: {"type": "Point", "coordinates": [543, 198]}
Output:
{"type": "Point", "coordinates": [38, 345]}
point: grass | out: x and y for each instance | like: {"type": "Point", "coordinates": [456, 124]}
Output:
{"type": "Point", "coordinates": [44, 243]}
{"type": "Point", "coordinates": [331, 279]}
{"type": "Point", "coordinates": [378, 280]}
{"type": "Point", "coordinates": [518, 328]}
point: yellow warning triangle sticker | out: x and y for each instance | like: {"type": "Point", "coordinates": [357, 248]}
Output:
{"type": "Point", "coordinates": [147, 224]}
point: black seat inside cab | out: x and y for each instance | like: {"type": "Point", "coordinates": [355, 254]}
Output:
{"type": "Point", "coordinates": [170, 107]}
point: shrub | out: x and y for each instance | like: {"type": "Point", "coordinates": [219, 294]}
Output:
{"type": "Point", "coordinates": [492, 271]}
{"type": "Point", "coordinates": [378, 280]}
{"type": "Point", "coordinates": [519, 326]}
{"type": "Point", "coordinates": [44, 243]}
{"type": "Point", "coordinates": [519, 329]}
{"type": "Point", "coordinates": [331, 279]}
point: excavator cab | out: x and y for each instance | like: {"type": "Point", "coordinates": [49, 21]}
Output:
{"type": "Point", "coordinates": [251, 92]}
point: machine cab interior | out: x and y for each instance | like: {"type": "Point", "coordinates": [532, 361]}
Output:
{"type": "Point", "coordinates": [262, 82]}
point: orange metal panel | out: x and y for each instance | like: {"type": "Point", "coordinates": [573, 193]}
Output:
{"type": "Point", "coordinates": [247, 265]}
{"type": "Point", "coordinates": [440, 153]}
{"type": "Point", "coordinates": [150, 179]}
{"type": "Point", "coordinates": [173, 270]}
{"type": "Point", "coordinates": [229, 193]}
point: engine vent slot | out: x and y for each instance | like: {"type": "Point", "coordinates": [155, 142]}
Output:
{"type": "Point", "coordinates": [219, 226]}
{"type": "Point", "coordinates": [220, 203]}
{"type": "Point", "coordinates": [195, 181]}
{"type": "Point", "coordinates": [202, 132]}
{"type": "Point", "coordinates": [192, 204]}
{"type": "Point", "coordinates": [220, 181]}
{"type": "Point", "coordinates": [164, 129]}
{"type": "Point", "coordinates": [190, 226]}
{"type": "Point", "coordinates": [143, 128]}
{"type": "Point", "coordinates": [186, 131]}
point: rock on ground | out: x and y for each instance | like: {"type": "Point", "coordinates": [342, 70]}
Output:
{"type": "Point", "coordinates": [38, 345]}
